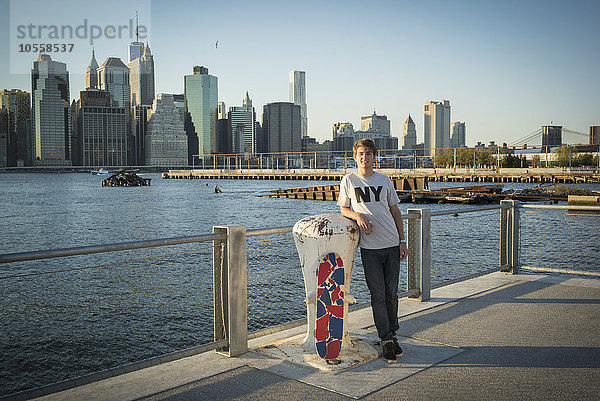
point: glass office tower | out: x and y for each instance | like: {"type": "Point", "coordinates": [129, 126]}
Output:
{"type": "Point", "coordinates": [201, 105]}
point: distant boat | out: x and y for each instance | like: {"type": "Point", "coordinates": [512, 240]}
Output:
{"type": "Point", "coordinates": [100, 172]}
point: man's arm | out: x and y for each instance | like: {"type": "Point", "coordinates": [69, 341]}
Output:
{"type": "Point", "coordinates": [397, 215]}
{"type": "Point", "coordinates": [364, 224]}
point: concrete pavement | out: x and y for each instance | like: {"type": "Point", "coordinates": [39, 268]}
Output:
{"type": "Point", "coordinates": [528, 336]}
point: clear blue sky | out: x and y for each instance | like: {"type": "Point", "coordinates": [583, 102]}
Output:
{"type": "Point", "coordinates": [507, 67]}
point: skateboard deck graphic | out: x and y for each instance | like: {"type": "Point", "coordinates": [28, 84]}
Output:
{"type": "Point", "coordinates": [330, 306]}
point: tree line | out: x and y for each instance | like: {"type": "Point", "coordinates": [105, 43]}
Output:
{"type": "Point", "coordinates": [564, 156]}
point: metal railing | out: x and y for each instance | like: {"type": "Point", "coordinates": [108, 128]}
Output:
{"type": "Point", "coordinates": [573, 232]}
{"type": "Point", "coordinates": [241, 281]}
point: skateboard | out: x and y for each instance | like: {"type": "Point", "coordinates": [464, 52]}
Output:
{"type": "Point", "coordinates": [330, 306]}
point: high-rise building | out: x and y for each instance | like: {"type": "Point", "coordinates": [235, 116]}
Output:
{"type": "Point", "coordinates": [3, 138]}
{"type": "Point", "coordinates": [224, 136]}
{"type": "Point", "coordinates": [342, 129]}
{"type": "Point", "coordinates": [91, 73]}
{"type": "Point", "coordinates": [551, 137]}
{"type": "Point", "coordinates": [166, 140]}
{"type": "Point", "coordinates": [136, 49]}
{"type": "Point", "coordinates": [113, 77]}
{"type": "Point", "coordinates": [201, 98]}
{"type": "Point", "coordinates": [141, 78]}
{"type": "Point", "coordinates": [343, 136]}
{"type": "Point", "coordinates": [409, 134]}
{"type": "Point", "coordinates": [376, 124]}
{"type": "Point", "coordinates": [139, 125]}
{"type": "Point", "coordinates": [51, 125]}
{"type": "Point", "coordinates": [595, 135]}
{"type": "Point", "coordinates": [377, 127]}
{"type": "Point", "coordinates": [281, 127]}
{"type": "Point", "coordinates": [101, 137]}
{"type": "Point", "coordinates": [436, 127]}
{"type": "Point", "coordinates": [179, 100]}
{"type": "Point", "coordinates": [17, 104]}
{"type": "Point", "coordinates": [222, 110]}
{"type": "Point", "coordinates": [242, 120]}
{"type": "Point", "coordinates": [458, 134]}
{"type": "Point", "coordinates": [298, 96]}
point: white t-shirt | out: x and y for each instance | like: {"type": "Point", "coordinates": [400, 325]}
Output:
{"type": "Point", "coordinates": [372, 196]}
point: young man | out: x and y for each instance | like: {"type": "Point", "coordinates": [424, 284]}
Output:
{"type": "Point", "coordinates": [369, 198]}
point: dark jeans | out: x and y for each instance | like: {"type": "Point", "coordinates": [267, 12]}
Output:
{"type": "Point", "coordinates": [382, 269]}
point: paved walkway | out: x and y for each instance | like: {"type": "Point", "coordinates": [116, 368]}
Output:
{"type": "Point", "coordinates": [496, 337]}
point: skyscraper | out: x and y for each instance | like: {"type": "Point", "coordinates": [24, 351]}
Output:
{"type": "Point", "coordinates": [377, 127]}
{"type": "Point", "coordinates": [166, 141]}
{"type": "Point", "coordinates": [113, 77]}
{"type": "Point", "coordinates": [281, 127]}
{"type": "Point", "coordinates": [222, 110]}
{"type": "Point", "coordinates": [201, 98]}
{"type": "Point", "coordinates": [436, 127]}
{"type": "Point", "coordinates": [342, 129]}
{"type": "Point", "coordinates": [375, 123]}
{"type": "Point", "coordinates": [242, 120]}
{"type": "Point", "coordinates": [343, 136]}
{"type": "Point", "coordinates": [298, 96]}
{"type": "Point", "coordinates": [101, 138]}
{"type": "Point", "coordinates": [17, 105]}
{"type": "Point", "coordinates": [139, 124]}
{"type": "Point", "coordinates": [409, 134]}
{"type": "Point", "coordinates": [136, 48]}
{"type": "Point", "coordinates": [141, 78]}
{"type": "Point", "coordinates": [91, 73]}
{"type": "Point", "coordinates": [50, 112]}
{"type": "Point", "coordinates": [3, 138]}
{"type": "Point", "coordinates": [458, 134]}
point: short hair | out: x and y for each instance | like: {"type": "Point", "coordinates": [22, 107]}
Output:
{"type": "Point", "coordinates": [365, 143]}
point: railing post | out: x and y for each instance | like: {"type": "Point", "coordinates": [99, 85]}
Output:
{"type": "Point", "coordinates": [419, 254]}
{"type": "Point", "coordinates": [230, 289]}
{"type": "Point", "coordinates": [509, 236]}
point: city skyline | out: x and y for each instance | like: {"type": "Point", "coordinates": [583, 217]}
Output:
{"type": "Point", "coordinates": [505, 69]}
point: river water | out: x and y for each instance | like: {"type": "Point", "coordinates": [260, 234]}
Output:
{"type": "Point", "coordinates": [66, 317]}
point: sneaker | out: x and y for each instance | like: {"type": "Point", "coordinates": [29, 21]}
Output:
{"type": "Point", "coordinates": [397, 347]}
{"type": "Point", "coordinates": [388, 352]}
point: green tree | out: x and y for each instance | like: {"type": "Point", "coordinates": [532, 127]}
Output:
{"type": "Point", "coordinates": [511, 161]}
{"type": "Point", "coordinates": [464, 156]}
{"type": "Point", "coordinates": [536, 161]}
{"type": "Point", "coordinates": [564, 156]}
{"type": "Point", "coordinates": [585, 160]}
{"type": "Point", "coordinates": [444, 157]}
{"type": "Point", "coordinates": [483, 157]}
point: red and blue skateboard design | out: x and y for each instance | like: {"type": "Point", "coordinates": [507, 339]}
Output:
{"type": "Point", "coordinates": [330, 306]}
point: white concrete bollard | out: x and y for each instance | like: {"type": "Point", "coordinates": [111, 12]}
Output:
{"type": "Point", "coordinates": [318, 239]}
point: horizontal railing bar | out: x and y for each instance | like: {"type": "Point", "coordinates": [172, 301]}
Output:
{"type": "Point", "coordinates": [121, 246]}
{"type": "Point", "coordinates": [471, 210]}
{"type": "Point", "coordinates": [559, 207]}
{"type": "Point", "coordinates": [116, 371]}
{"type": "Point", "coordinates": [269, 231]}
{"type": "Point", "coordinates": [561, 271]}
